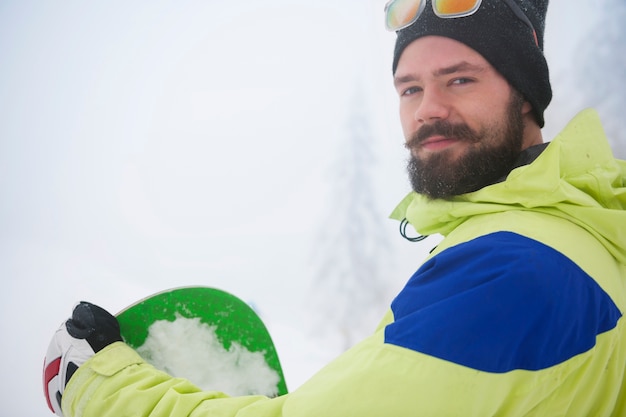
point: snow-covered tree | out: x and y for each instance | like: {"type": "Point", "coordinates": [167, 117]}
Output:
{"type": "Point", "coordinates": [348, 284]}
{"type": "Point", "coordinates": [600, 70]}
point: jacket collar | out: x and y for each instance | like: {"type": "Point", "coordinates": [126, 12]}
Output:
{"type": "Point", "coordinates": [575, 176]}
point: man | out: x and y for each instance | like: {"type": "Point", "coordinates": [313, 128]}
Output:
{"type": "Point", "coordinates": [517, 312]}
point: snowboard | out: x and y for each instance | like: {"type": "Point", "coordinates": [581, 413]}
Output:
{"type": "Point", "coordinates": [235, 324]}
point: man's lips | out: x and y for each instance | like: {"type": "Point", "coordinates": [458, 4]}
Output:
{"type": "Point", "coordinates": [438, 142]}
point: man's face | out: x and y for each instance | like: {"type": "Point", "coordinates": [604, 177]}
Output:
{"type": "Point", "coordinates": [461, 119]}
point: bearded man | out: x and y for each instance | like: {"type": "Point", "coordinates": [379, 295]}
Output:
{"type": "Point", "coordinates": [517, 312]}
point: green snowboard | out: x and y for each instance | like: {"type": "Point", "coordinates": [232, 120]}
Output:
{"type": "Point", "coordinates": [235, 324]}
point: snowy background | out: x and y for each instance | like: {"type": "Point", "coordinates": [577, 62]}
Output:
{"type": "Point", "coordinates": [252, 146]}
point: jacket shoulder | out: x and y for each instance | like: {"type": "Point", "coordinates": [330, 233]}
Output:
{"type": "Point", "coordinates": [501, 302]}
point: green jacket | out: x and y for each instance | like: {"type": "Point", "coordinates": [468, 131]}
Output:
{"type": "Point", "coordinates": [518, 312]}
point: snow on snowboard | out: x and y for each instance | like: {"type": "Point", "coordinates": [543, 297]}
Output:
{"type": "Point", "coordinates": [208, 336]}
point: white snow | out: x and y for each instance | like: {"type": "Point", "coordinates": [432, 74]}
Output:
{"type": "Point", "coordinates": [188, 348]}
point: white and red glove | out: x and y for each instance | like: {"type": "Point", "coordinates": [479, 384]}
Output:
{"type": "Point", "coordinates": [89, 330]}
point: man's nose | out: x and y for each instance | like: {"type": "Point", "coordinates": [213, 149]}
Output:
{"type": "Point", "coordinates": [434, 106]}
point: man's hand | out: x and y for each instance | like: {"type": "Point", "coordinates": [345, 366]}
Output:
{"type": "Point", "coordinates": [89, 330]}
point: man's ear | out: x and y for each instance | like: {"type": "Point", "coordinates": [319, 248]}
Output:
{"type": "Point", "coordinates": [526, 108]}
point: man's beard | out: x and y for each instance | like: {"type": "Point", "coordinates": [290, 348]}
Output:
{"type": "Point", "coordinates": [490, 155]}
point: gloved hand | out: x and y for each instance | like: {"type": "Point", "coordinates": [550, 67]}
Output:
{"type": "Point", "coordinates": [89, 330]}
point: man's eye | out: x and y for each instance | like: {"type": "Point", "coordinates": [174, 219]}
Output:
{"type": "Point", "coordinates": [411, 90]}
{"type": "Point", "coordinates": [462, 81]}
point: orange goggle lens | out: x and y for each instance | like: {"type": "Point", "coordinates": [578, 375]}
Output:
{"type": "Point", "coordinates": [455, 8]}
{"type": "Point", "coordinates": [402, 13]}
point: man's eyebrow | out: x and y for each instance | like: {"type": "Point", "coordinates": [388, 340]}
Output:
{"type": "Point", "coordinates": [460, 67]}
{"type": "Point", "coordinates": [463, 66]}
{"type": "Point", "coordinates": [404, 79]}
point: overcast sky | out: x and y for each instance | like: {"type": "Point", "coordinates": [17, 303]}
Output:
{"type": "Point", "coordinates": [146, 145]}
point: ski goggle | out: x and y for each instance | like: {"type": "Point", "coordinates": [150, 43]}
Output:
{"type": "Point", "coordinates": [400, 14]}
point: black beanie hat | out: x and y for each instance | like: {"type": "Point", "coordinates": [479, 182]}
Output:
{"type": "Point", "coordinates": [503, 39]}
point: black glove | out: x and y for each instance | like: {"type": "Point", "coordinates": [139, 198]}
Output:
{"type": "Point", "coordinates": [88, 331]}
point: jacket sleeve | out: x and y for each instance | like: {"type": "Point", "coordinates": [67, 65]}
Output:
{"type": "Point", "coordinates": [117, 382]}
